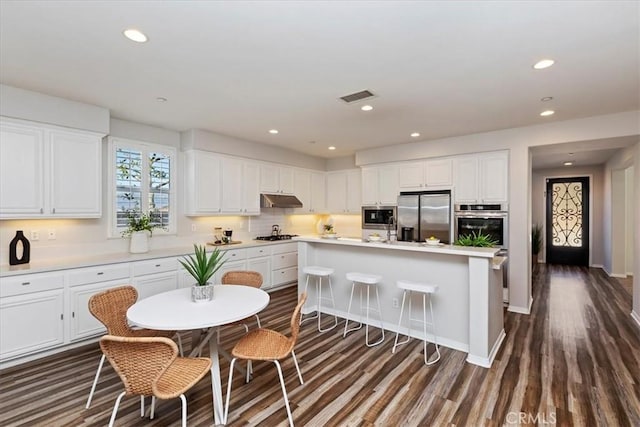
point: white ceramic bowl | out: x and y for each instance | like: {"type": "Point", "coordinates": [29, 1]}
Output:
{"type": "Point", "coordinates": [375, 238]}
{"type": "Point", "coordinates": [432, 242]}
{"type": "Point", "coordinates": [330, 236]}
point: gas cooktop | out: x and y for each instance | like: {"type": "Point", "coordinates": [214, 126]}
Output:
{"type": "Point", "coordinates": [277, 237]}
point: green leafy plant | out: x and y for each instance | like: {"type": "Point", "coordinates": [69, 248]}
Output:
{"type": "Point", "coordinates": [139, 221]}
{"type": "Point", "coordinates": [202, 267]}
{"type": "Point", "coordinates": [478, 240]}
{"type": "Point", "coordinates": [536, 239]}
{"type": "Point", "coordinates": [328, 228]}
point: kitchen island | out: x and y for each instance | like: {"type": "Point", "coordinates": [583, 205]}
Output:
{"type": "Point", "coordinates": [468, 304]}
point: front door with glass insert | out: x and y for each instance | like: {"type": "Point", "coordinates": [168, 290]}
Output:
{"type": "Point", "coordinates": [567, 224]}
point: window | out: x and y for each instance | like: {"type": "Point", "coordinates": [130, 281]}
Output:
{"type": "Point", "coordinates": [142, 180]}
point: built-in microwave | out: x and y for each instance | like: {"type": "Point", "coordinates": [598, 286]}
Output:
{"type": "Point", "coordinates": [378, 217]}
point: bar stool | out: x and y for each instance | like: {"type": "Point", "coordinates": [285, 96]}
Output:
{"type": "Point", "coordinates": [318, 273]}
{"type": "Point", "coordinates": [363, 280]}
{"type": "Point", "coordinates": [426, 290]}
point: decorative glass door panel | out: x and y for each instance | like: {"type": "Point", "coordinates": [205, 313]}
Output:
{"type": "Point", "coordinates": [568, 221]}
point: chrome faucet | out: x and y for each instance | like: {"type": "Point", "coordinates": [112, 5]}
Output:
{"type": "Point", "coordinates": [390, 223]}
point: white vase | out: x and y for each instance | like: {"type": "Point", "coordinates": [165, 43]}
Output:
{"type": "Point", "coordinates": [202, 293]}
{"type": "Point", "coordinates": [139, 242]}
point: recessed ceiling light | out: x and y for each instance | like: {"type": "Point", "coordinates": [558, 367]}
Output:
{"type": "Point", "coordinates": [161, 99]}
{"type": "Point", "coordinates": [135, 35]}
{"type": "Point", "coordinates": [415, 135]}
{"type": "Point", "coordinates": [332, 148]}
{"type": "Point", "coordinates": [568, 163]}
{"type": "Point", "coordinates": [546, 98]}
{"type": "Point", "coordinates": [544, 63]}
{"type": "Point", "coordinates": [273, 131]}
{"type": "Point", "coordinates": [366, 108]}
{"type": "Point", "coordinates": [547, 113]}
{"type": "Point", "coordinates": [571, 154]}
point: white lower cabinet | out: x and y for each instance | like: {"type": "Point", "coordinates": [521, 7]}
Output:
{"type": "Point", "coordinates": [284, 264]}
{"type": "Point", "coordinates": [31, 314]}
{"type": "Point", "coordinates": [259, 259]}
{"type": "Point", "coordinates": [155, 276]}
{"type": "Point", "coordinates": [83, 284]}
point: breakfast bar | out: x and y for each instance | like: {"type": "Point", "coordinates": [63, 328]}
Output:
{"type": "Point", "coordinates": [468, 305]}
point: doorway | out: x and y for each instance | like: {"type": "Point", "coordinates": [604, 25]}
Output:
{"type": "Point", "coordinates": [567, 221]}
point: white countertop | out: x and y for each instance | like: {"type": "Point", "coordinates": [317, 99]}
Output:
{"type": "Point", "coordinates": [114, 258]}
{"type": "Point", "coordinates": [405, 246]}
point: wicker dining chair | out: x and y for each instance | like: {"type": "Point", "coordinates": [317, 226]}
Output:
{"type": "Point", "coordinates": [110, 308]}
{"type": "Point", "coordinates": [247, 278]}
{"type": "Point", "coordinates": [150, 366]}
{"type": "Point", "coordinates": [268, 345]}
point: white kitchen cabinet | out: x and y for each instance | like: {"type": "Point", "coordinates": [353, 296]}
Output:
{"type": "Point", "coordinates": [83, 284]}
{"type": "Point", "coordinates": [276, 179]}
{"type": "Point", "coordinates": [482, 178]}
{"type": "Point", "coordinates": [380, 185]}
{"type": "Point", "coordinates": [344, 191]}
{"type": "Point", "coordinates": [31, 313]}
{"type": "Point", "coordinates": [494, 177]}
{"type": "Point", "coordinates": [49, 172]}
{"type": "Point", "coordinates": [251, 188]}
{"type": "Point", "coordinates": [231, 177]}
{"type": "Point", "coordinates": [425, 174]}
{"type": "Point", "coordinates": [310, 187]}
{"type": "Point", "coordinates": [259, 259]}
{"type": "Point", "coordinates": [76, 175]}
{"type": "Point", "coordinates": [203, 189]}
{"type": "Point", "coordinates": [155, 276]}
{"type": "Point", "coordinates": [284, 264]}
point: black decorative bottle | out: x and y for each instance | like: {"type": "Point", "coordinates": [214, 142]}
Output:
{"type": "Point", "coordinates": [13, 249]}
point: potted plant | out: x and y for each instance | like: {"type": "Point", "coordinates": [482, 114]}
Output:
{"type": "Point", "coordinates": [202, 268]}
{"type": "Point", "coordinates": [536, 243]}
{"type": "Point", "coordinates": [476, 239]}
{"type": "Point", "coordinates": [140, 227]}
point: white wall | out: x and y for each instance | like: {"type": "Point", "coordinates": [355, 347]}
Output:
{"type": "Point", "coordinates": [37, 107]}
{"type": "Point", "coordinates": [196, 139]}
{"type": "Point", "coordinates": [538, 204]}
{"type": "Point", "coordinates": [629, 219]}
{"type": "Point", "coordinates": [517, 141]}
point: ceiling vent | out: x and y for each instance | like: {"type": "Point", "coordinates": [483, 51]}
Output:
{"type": "Point", "coordinates": [358, 96]}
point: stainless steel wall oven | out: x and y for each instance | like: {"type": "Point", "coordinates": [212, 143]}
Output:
{"type": "Point", "coordinates": [489, 219]}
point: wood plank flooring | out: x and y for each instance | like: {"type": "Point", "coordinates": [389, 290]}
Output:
{"type": "Point", "coordinates": [574, 361]}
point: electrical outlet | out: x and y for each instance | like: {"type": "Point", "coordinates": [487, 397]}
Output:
{"type": "Point", "coordinates": [394, 303]}
{"type": "Point", "coordinates": [52, 235]}
{"type": "Point", "coordinates": [35, 235]}
{"type": "Point", "coordinates": [193, 227]}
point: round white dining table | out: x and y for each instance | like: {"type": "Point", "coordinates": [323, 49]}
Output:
{"type": "Point", "coordinates": [174, 310]}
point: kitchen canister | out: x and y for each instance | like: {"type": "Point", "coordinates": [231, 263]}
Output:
{"type": "Point", "coordinates": [19, 245]}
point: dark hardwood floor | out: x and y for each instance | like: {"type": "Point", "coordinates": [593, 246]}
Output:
{"type": "Point", "coordinates": [574, 361]}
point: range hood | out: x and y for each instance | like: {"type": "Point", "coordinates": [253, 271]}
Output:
{"type": "Point", "coordinates": [279, 201]}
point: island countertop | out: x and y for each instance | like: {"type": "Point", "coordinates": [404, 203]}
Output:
{"type": "Point", "coordinates": [467, 251]}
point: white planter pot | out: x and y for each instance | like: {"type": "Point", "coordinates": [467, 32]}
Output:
{"type": "Point", "coordinates": [202, 293]}
{"type": "Point", "coordinates": [139, 242]}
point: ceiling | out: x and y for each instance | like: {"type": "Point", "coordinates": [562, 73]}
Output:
{"type": "Point", "coordinates": [242, 68]}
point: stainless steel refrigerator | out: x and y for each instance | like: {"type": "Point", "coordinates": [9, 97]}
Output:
{"type": "Point", "coordinates": [422, 214]}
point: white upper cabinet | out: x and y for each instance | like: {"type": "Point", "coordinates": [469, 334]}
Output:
{"type": "Point", "coordinates": [310, 187]}
{"type": "Point", "coordinates": [276, 179]}
{"type": "Point", "coordinates": [482, 178]}
{"type": "Point", "coordinates": [251, 188]}
{"type": "Point", "coordinates": [380, 185]}
{"type": "Point", "coordinates": [203, 190]}
{"type": "Point", "coordinates": [344, 191]}
{"type": "Point", "coordinates": [76, 174]}
{"type": "Point", "coordinates": [21, 171]}
{"type": "Point", "coordinates": [220, 185]}
{"type": "Point", "coordinates": [49, 172]}
{"type": "Point", "coordinates": [425, 174]}
{"type": "Point", "coordinates": [494, 177]}
{"type": "Point", "coordinates": [232, 179]}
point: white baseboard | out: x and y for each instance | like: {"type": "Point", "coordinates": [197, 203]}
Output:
{"type": "Point", "coordinates": [618, 276]}
{"type": "Point", "coordinates": [629, 273]}
{"type": "Point", "coordinates": [486, 362]}
{"type": "Point", "coordinates": [598, 266]}
{"type": "Point", "coordinates": [521, 310]}
{"type": "Point", "coordinates": [635, 316]}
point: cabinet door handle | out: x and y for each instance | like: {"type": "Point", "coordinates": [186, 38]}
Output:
{"type": "Point", "coordinates": [158, 265]}
{"type": "Point", "coordinates": [100, 273]}
{"type": "Point", "coordinates": [61, 316]}
{"type": "Point", "coordinates": [73, 314]}
{"type": "Point", "coordinates": [53, 210]}
{"type": "Point", "coordinates": [41, 210]}
{"type": "Point", "coordinates": [26, 283]}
